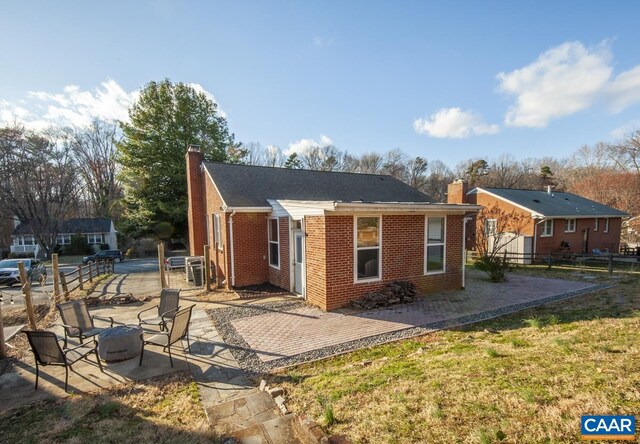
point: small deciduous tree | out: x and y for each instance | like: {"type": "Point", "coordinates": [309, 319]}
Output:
{"type": "Point", "coordinates": [496, 229]}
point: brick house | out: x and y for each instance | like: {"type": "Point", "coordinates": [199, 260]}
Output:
{"type": "Point", "coordinates": [555, 219]}
{"type": "Point", "coordinates": [329, 237]}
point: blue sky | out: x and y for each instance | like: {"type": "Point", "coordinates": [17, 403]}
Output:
{"type": "Point", "coordinates": [443, 80]}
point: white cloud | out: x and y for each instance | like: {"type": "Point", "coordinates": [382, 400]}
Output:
{"type": "Point", "coordinates": [454, 123]}
{"type": "Point", "coordinates": [76, 107]}
{"type": "Point", "coordinates": [564, 80]}
{"type": "Point", "coordinates": [304, 145]}
{"type": "Point", "coordinates": [623, 131]}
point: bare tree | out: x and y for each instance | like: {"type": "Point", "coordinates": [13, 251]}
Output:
{"type": "Point", "coordinates": [439, 176]}
{"type": "Point", "coordinates": [416, 173]}
{"type": "Point", "coordinates": [96, 154]}
{"type": "Point", "coordinates": [38, 182]}
{"type": "Point", "coordinates": [370, 163]}
{"type": "Point", "coordinates": [627, 153]}
{"type": "Point", "coordinates": [395, 164]}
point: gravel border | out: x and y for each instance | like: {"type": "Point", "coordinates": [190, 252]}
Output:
{"type": "Point", "coordinates": [254, 367]}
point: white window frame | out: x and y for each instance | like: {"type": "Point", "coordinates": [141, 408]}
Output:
{"type": "Point", "coordinates": [356, 280]}
{"type": "Point", "coordinates": [217, 232]}
{"type": "Point", "coordinates": [543, 232]}
{"type": "Point", "coordinates": [23, 242]}
{"type": "Point", "coordinates": [63, 239]}
{"type": "Point", "coordinates": [91, 238]}
{"type": "Point", "coordinates": [606, 225]}
{"type": "Point", "coordinates": [596, 224]}
{"type": "Point", "coordinates": [270, 241]}
{"type": "Point", "coordinates": [567, 225]}
{"type": "Point", "coordinates": [436, 244]}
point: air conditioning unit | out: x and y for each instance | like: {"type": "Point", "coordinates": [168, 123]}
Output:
{"type": "Point", "coordinates": [195, 270]}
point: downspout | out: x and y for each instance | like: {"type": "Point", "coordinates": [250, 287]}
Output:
{"type": "Point", "coordinates": [464, 249]}
{"type": "Point", "coordinates": [233, 273]}
{"type": "Point", "coordinates": [535, 236]}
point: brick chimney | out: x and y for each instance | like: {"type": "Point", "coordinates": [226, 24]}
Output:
{"type": "Point", "coordinates": [196, 213]}
{"type": "Point", "coordinates": [457, 192]}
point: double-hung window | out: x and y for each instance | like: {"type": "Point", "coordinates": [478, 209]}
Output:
{"type": "Point", "coordinates": [435, 250]}
{"type": "Point", "coordinates": [368, 255]}
{"type": "Point", "coordinates": [274, 243]}
{"type": "Point", "coordinates": [216, 231]}
{"type": "Point", "coordinates": [94, 238]}
{"type": "Point", "coordinates": [569, 225]}
{"type": "Point", "coordinates": [63, 239]}
{"type": "Point", "coordinates": [547, 228]}
{"type": "Point", "coordinates": [606, 225]}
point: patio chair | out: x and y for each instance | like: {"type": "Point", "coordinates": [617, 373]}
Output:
{"type": "Point", "coordinates": [47, 351]}
{"type": "Point", "coordinates": [179, 330]}
{"type": "Point", "coordinates": [77, 321]}
{"type": "Point", "coordinates": [168, 306]}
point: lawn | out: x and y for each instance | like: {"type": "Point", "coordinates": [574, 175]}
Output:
{"type": "Point", "coordinates": [165, 409]}
{"type": "Point", "coordinates": [525, 378]}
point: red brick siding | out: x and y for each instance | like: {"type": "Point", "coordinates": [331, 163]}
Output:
{"type": "Point", "coordinates": [402, 258]}
{"type": "Point", "coordinates": [220, 256]}
{"type": "Point", "coordinates": [250, 248]}
{"type": "Point", "coordinates": [597, 239]}
{"type": "Point", "coordinates": [316, 260]}
{"type": "Point", "coordinates": [196, 203]}
{"type": "Point", "coordinates": [281, 277]}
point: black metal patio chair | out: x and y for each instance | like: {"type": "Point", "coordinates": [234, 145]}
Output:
{"type": "Point", "coordinates": [179, 330]}
{"type": "Point", "coordinates": [46, 348]}
{"type": "Point", "coordinates": [78, 322]}
{"type": "Point", "coordinates": [168, 306]}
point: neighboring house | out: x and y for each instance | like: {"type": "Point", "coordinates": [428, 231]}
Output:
{"type": "Point", "coordinates": [97, 230]}
{"type": "Point", "coordinates": [554, 219]}
{"type": "Point", "coordinates": [329, 237]}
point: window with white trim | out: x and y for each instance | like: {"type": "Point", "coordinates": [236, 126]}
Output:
{"type": "Point", "coordinates": [490, 227]}
{"type": "Point", "coordinates": [595, 224]}
{"type": "Point", "coordinates": [606, 225]}
{"type": "Point", "coordinates": [547, 228]}
{"type": "Point", "coordinates": [367, 245]}
{"type": "Point", "coordinates": [27, 240]}
{"type": "Point", "coordinates": [569, 225]}
{"type": "Point", "coordinates": [274, 243]}
{"type": "Point", "coordinates": [94, 238]}
{"type": "Point", "coordinates": [435, 244]}
{"type": "Point", "coordinates": [63, 239]}
{"type": "Point", "coordinates": [217, 236]}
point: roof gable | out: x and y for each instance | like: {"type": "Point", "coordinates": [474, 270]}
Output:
{"type": "Point", "coordinates": [253, 186]}
{"type": "Point", "coordinates": [555, 204]}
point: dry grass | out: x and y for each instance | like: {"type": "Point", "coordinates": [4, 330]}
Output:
{"type": "Point", "coordinates": [166, 409]}
{"type": "Point", "coordinates": [529, 383]}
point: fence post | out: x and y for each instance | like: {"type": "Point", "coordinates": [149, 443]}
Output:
{"type": "Point", "coordinates": [207, 268]}
{"type": "Point", "coordinates": [549, 260]}
{"type": "Point", "coordinates": [80, 277]}
{"type": "Point", "coordinates": [161, 265]}
{"type": "Point", "coordinates": [26, 291]}
{"type": "Point", "coordinates": [56, 276]}
{"type": "Point", "coordinates": [65, 289]}
{"type": "Point", "coordinates": [610, 263]}
{"type": "Point", "coordinates": [91, 271]}
{"type": "Point", "coordinates": [3, 349]}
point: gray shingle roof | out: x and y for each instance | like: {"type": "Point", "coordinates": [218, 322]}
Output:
{"type": "Point", "coordinates": [70, 226]}
{"type": "Point", "coordinates": [251, 186]}
{"type": "Point", "coordinates": [556, 204]}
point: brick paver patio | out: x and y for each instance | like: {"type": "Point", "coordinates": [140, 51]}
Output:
{"type": "Point", "coordinates": [284, 334]}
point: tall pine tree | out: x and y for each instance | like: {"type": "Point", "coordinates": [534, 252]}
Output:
{"type": "Point", "coordinates": [164, 120]}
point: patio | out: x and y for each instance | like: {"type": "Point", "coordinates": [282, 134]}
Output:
{"type": "Point", "coordinates": [286, 333]}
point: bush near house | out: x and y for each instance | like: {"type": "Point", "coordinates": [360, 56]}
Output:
{"type": "Point", "coordinates": [78, 245]}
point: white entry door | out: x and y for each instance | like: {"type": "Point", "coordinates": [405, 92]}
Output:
{"type": "Point", "coordinates": [298, 263]}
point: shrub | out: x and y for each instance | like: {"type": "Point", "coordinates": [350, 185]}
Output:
{"type": "Point", "coordinates": [78, 245]}
{"type": "Point", "coordinates": [20, 255]}
{"type": "Point", "coordinates": [105, 247]}
{"type": "Point", "coordinates": [495, 266]}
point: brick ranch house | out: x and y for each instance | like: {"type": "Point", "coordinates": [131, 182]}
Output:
{"type": "Point", "coordinates": [329, 237]}
{"type": "Point", "coordinates": [554, 218]}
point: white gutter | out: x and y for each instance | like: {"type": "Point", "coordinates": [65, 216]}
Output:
{"type": "Point", "coordinates": [411, 207]}
{"type": "Point", "coordinates": [464, 249]}
{"type": "Point", "coordinates": [247, 209]}
{"type": "Point", "coordinates": [233, 272]}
